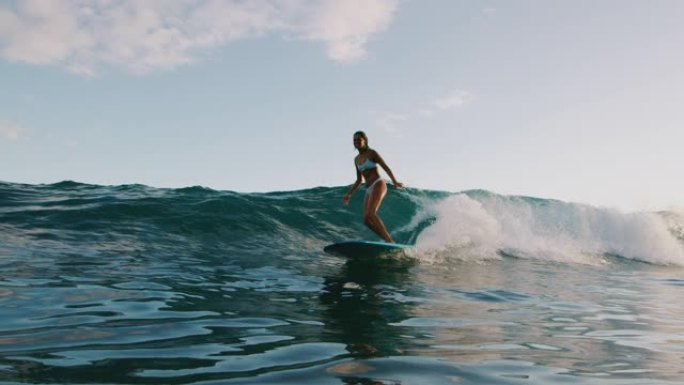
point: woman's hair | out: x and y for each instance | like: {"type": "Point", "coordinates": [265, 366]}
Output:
{"type": "Point", "coordinates": [363, 135]}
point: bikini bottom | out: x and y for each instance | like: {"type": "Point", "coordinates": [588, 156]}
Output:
{"type": "Point", "coordinates": [370, 188]}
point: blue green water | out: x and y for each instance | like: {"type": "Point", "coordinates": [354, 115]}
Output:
{"type": "Point", "coordinates": [137, 285]}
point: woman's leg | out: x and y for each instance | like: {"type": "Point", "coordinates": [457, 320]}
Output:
{"type": "Point", "coordinates": [371, 205]}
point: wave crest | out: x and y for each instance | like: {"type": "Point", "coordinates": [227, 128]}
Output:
{"type": "Point", "coordinates": [490, 224]}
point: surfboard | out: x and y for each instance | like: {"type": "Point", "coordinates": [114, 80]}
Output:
{"type": "Point", "coordinates": [364, 248]}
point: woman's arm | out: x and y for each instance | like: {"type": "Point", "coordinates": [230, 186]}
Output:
{"type": "Point", "coordinates": [378, 159]}
{"type": "Point", "coordinates": [353, 187]}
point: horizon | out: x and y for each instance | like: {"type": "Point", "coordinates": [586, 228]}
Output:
{"type": "Point", "coordinates": [574, 101]}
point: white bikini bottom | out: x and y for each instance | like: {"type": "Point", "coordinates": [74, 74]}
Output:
{"type": "Point", "coordinates": [370, 188]}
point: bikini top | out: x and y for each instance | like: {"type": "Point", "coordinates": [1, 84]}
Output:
{"type": "Point", "coordinates": [367, 165]}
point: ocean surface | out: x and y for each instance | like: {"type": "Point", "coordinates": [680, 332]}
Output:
{"type": "Point", "coordinates": [138, 285]}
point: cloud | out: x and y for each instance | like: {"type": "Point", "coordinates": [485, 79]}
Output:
{"type": "Point", "coordinates": [453, 99]}
{"type": "Point", "coordinates": [10, 131]}
{"type": "Point", "coordinates": [456, 98]}
{"type": "Point", "coordinates": [142, 36]}
{"type": "Point", "coordinates": [347, 25]}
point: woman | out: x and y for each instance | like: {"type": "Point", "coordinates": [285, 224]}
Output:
{"type": "Point", "coordinates": [366, 165]}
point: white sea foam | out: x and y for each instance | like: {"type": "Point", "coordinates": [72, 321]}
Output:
{"type": "Point", "coordinates": [481, 227]}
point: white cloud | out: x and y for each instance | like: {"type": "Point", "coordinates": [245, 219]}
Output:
{"type": "Point", "coordinates": [10, 131]}
{"type": "Point", "coordinates": [390, 121]}
{"type": "Point", "coordinates": [347, 25]}
{"type": "Point", "coordinates": [141, 36]}
{"type": "Point", "coordinates": [454, 99]}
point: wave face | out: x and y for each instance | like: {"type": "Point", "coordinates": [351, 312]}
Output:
{"type": "Point", "coordinates": [472, 225]}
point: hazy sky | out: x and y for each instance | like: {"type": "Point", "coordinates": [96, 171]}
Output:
{"type": "Point", "coordinates": [579, 100]}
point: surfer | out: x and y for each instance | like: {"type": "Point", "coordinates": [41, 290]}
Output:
{"type": "Point", "coordinates": [366, 165]}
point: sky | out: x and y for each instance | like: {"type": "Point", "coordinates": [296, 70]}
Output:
{"type": "Point", "coordinates": [577, 100]}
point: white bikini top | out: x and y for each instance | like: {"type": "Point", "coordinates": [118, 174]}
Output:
{"type": "Point", "coordinates": [367, 165]}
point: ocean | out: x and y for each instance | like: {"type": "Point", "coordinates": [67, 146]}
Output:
{"type": "Point", "coordinates": [138, 285]}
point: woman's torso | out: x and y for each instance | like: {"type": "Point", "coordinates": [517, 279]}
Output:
{"type": "Point", "coordinates": [367, 167]}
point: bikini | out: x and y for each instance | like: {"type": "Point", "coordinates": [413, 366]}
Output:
{"type": "Point", "coordinates": [367, 165]}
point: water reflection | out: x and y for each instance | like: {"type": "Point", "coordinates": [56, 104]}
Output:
{"type": "Point", "coordinates": [590, 321]}
{"type": "Point", "coordinates": [362, 302]}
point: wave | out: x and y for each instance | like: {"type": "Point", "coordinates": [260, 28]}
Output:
{"type": "Point", "coordinates": [485, 225]}
{"type": "Point", "coordinates": [471, 225]}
